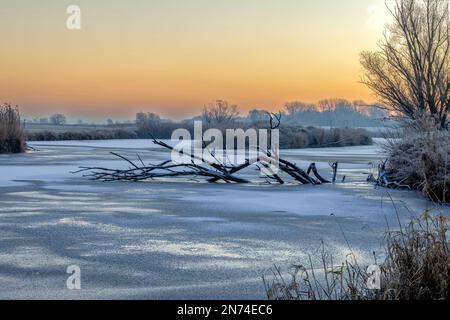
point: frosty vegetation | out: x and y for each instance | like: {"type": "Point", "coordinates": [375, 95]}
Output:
{"type": "Point", "coordinates": [421, 161]}
{"type": "Point", "coordinates": [12, 138]}
{"type": "Point", "coordinates": [415, 268]}
{"type": "Point", "coordinates": [411, 75]}
{"type": "Point", "coordinates": [301, 127]}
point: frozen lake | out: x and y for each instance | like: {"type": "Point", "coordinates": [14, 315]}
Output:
{"type": "Point", "coordinates": [166, 240]}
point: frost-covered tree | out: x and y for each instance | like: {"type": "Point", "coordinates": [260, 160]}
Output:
{"type": "Point", "coordinates": [58, 119]}
{"type": "Point", "coordinates": [410, 73]}
{"type": "Point", "coordinates": [221, 112]}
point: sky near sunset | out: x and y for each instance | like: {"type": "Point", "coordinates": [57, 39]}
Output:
{"type": "Point", "coordinates": [173, 56]}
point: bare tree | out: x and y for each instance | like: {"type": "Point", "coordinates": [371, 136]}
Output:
{"type": "Point", "coordinates": [220, 113]}
{"type": "Point", "coordinates": [411, 71]}
{"type": "Point", "coordinates": [58, 119]}
{"type": "Point", "coordinates": [293, 108]}
{"type": "Point", "coordinates": [143, 119]}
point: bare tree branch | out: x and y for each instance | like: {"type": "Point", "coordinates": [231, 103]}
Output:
{"type": "Point", "coordinates": [410, 73]}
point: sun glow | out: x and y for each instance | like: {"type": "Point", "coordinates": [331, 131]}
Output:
{"type": "Point", "coordinates": [172, 57]}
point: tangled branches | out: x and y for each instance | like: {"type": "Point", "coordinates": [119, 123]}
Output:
{"type": "Point", "coordinates": [209, 168]}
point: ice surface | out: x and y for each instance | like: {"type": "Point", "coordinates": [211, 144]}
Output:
{"type": "Point", "coordinates": [176, 240]}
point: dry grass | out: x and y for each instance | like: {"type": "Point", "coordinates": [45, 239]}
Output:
{"type": "Point", "coordinates": [12, 138]}
{"type": "Point", "coordinates": [329, 282]}
{"type": "Point", "coordinates": [416, 267]}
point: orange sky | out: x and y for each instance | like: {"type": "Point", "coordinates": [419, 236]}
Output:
{"type": "Point", "coordinates": [173, 56]}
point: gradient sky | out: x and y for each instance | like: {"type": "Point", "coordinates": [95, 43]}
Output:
{"type": "Point", "coordinates": [174, 56]}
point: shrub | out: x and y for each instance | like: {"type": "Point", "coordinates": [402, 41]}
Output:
{"type": "Point", "coordinates": [421, 160]}
{"type": "Point", "coordinates": [416, 267]}
{"type": "Point", "coordinates": [292, 137]}
{"type": "Point", "coordinates": [87, 135]}
{"type": "Point", "coordinates": [12, 138]}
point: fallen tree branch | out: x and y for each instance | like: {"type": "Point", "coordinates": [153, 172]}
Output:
{"type": "Point", "coordinates": [313, 168]}
{"type": "Point", "coordinates": [213, 171]}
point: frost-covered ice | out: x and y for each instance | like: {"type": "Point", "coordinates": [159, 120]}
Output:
{"type": "Point", "coordinates": [175, 240]}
